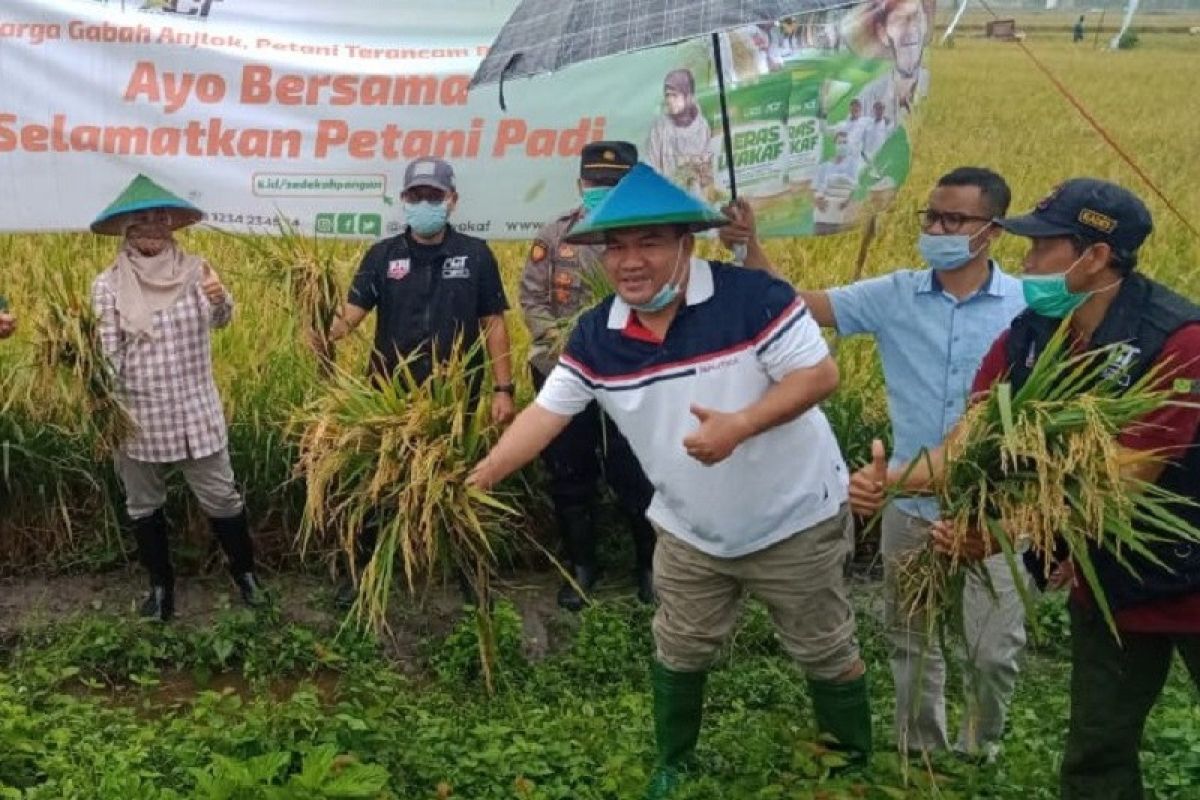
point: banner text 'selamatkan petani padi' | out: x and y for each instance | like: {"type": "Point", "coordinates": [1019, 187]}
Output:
{"type": "Point", "coordinates": [260, 109]}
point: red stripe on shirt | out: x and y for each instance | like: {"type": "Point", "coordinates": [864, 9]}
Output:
{"type": "Point", "coordinates": [783, 316]}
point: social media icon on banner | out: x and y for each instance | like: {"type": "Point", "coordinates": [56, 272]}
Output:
{"type": "Point", "coordinates": [370, 224]}
{"type": "Point", "coordinates": [324, 223]}
{"type": "Point", "coordinates": [345, 223]}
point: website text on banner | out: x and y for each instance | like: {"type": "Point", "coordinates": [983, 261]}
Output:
{"type": "Point", "coordinates": [259, 112]}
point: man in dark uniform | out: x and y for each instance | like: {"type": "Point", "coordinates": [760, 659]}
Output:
{"type": "Point", "coordinates": [554, 290]}
{"type": "Point", "coordinates": [430, 285]}
{"type": "Point", "coordinates": [1083, 252]}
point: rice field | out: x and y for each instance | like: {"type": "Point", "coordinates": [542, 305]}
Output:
{"type": "Point", "coordinates": [95, 708]}
{"type": "Point", "coordinates": [990, 106]}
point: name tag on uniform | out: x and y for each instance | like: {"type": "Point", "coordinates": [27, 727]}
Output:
{"type": "Point", "coordinates": [398, 269]}
{"type": "Point", "coordinates": [455, 267]}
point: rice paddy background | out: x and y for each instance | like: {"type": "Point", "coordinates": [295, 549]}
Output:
{"type": "Point", "coordinates": [94, 707]}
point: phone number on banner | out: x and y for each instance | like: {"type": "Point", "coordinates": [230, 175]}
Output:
{"type": "Point", "coordinates": [249, 218]}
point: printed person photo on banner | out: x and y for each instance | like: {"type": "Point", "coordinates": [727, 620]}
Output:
{"type": "Point", "coordinates": [895, 30]}
{"type": "Point", "coordinates": [749, 52]}
{"type": "Point", "coordinates": [834, 208]}
{"type": "Point", "coordinates": [680, 142]}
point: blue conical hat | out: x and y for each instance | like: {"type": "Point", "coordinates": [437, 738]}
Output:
{"type": "Point", "coordinates": [141, 194]}
{"type": "Point", "coordinates": [643, 197]}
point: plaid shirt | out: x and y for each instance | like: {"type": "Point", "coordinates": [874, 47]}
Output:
{"type": "Point", "coordinates": [166, 382]}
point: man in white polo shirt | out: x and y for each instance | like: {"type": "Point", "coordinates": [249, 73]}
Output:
{"type": "Point", "coordinates": [713, 373]}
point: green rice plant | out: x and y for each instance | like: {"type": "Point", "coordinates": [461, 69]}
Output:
{"type": "Point", "coordinates": [1042, 468]}
{"type": "Point", "coordinates": [397, 454]}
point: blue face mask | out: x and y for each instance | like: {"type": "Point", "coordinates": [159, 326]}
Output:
{"type": "Point", "coordinates": [592, 196]}
{"type": "Point", "coordinates": [1049, 296]}
{"type": "Point", "coordinates": [948, 251]}
{"type": "Point", "coordinates": [667, 293]}
{"type": "Point", "coordinates": [426, 218]}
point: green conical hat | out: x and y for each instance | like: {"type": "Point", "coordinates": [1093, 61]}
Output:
{"type": "Point", "coordinates": [140, 195]}
{"type": "Point", "coordinates": [643, 197]}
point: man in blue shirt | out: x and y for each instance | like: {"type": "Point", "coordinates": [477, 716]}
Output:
{"type": "Point", "coordinates": [932, 328]}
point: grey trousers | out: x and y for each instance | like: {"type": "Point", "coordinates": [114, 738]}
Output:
{"type": "Point", "coordinates": [995, 633]}
{"type": "Point", "coordinates": [210, 479]}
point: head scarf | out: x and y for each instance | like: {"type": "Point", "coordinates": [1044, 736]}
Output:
{"type": "Point", "coordinates": [682, 81]}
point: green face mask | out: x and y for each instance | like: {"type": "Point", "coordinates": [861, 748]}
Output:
{"type": "Point", "coordinates": [1049, 296]}
{"type": "Point", "coordinates": [593, 195]}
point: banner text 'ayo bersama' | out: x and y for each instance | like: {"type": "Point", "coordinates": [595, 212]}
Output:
{"type": "Point", "coordinates": [176, 92]}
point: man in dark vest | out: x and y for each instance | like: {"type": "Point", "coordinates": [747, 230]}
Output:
{"type": "Point", "coordinates": [554, 292]}
{"type": "Point", "coordinates": [1084, 249]}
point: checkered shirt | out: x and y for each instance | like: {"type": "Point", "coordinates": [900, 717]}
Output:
{"type": "Point", "coordinates": [166, 382]}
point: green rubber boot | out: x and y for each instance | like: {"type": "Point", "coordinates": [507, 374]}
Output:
{"type": "Point", "coordinates": [843, 711]}
{"type": "Point", "coordinates": [678, 704]}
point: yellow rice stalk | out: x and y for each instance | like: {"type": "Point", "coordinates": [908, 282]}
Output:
{"type": "Point", "coordinates": [1042, 469]}
{"type": "Point", "coordinates": [400, 454]}
{"type": "Point", "coordinates": [72, 366]}
{"type": "Point", "coordinates": [309, 269]}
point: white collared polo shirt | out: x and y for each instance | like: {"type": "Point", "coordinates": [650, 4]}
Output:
{"type": "Point", "coordinates": [739, 332]}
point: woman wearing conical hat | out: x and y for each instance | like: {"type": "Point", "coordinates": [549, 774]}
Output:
{"type": "Point", "coordinates": [156, 306]}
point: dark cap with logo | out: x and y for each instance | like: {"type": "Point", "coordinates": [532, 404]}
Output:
{"type": "Point", "coordinates": [1096, 210]}
{"type": "Point", "coordinates": [607, 162]}
{"type": "Point", "coordinates": [429, 171]}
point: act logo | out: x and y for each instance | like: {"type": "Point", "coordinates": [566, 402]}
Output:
{"type": "Point", "coordinates": [184, 8]}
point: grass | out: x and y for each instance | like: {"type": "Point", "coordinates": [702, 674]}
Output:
{"type": "Point", "coordinates": [577, 724]}
{"type": "Point", "coordinates": [96, 708]}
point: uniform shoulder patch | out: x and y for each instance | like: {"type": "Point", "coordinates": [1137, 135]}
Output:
{"type": "Point", "coordinates": [538, 252]}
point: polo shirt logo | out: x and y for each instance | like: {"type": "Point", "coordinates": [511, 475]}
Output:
{"type": "Point", "coordinates": [398, 269]}
{"type": "Point", "coordinates": [455, 267]}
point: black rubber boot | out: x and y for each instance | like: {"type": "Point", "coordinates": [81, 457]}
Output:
{"type": "Point", "coordinates": [644, 539]}
{"type": "Point", "coordinates": [578, 531]}
{"type": "Point", "coordinates": [364, 550]}
{"type": "Point", "coordinates": [154, 554]}
{"type": "Point", "coordinates": [233, 534]}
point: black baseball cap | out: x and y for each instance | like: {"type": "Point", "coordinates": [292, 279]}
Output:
{"type": "Point", "coordinates": [607, 162]}
{"type": "Point", "coordinates": [1095, 210]}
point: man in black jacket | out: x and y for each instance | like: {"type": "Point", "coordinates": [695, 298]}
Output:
{"type": "Point", "coordinates": [1085, 238]}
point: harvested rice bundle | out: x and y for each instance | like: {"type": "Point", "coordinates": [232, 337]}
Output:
{"type": "Point", "coordinates": [398, 453]}
{"type": "Point", "coordinates": [1042, 469]}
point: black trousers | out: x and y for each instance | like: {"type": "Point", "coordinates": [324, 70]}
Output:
{"type": "Point", "coordinates": [591, 447]}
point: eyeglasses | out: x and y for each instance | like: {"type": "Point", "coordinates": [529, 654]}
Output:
{"type": "Point", "coordinates": [951, 221]}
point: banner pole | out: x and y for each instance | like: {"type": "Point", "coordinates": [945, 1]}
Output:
{"type": "Point", "coordinates": [728, 135]}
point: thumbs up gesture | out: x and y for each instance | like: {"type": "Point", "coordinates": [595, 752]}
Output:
{"type": "Point", "coordinates": [210, 284]}
{"type": "Point", "coordinates": [719, 433]}
{"type": "Point", "coordinates": [868, 486]}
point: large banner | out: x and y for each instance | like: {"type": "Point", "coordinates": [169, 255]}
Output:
{"type": "Point", "coordinates": [264, 112]}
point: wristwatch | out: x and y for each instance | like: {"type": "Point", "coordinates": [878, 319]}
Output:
{"type": "Point", "coordinates": [509, 389]}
